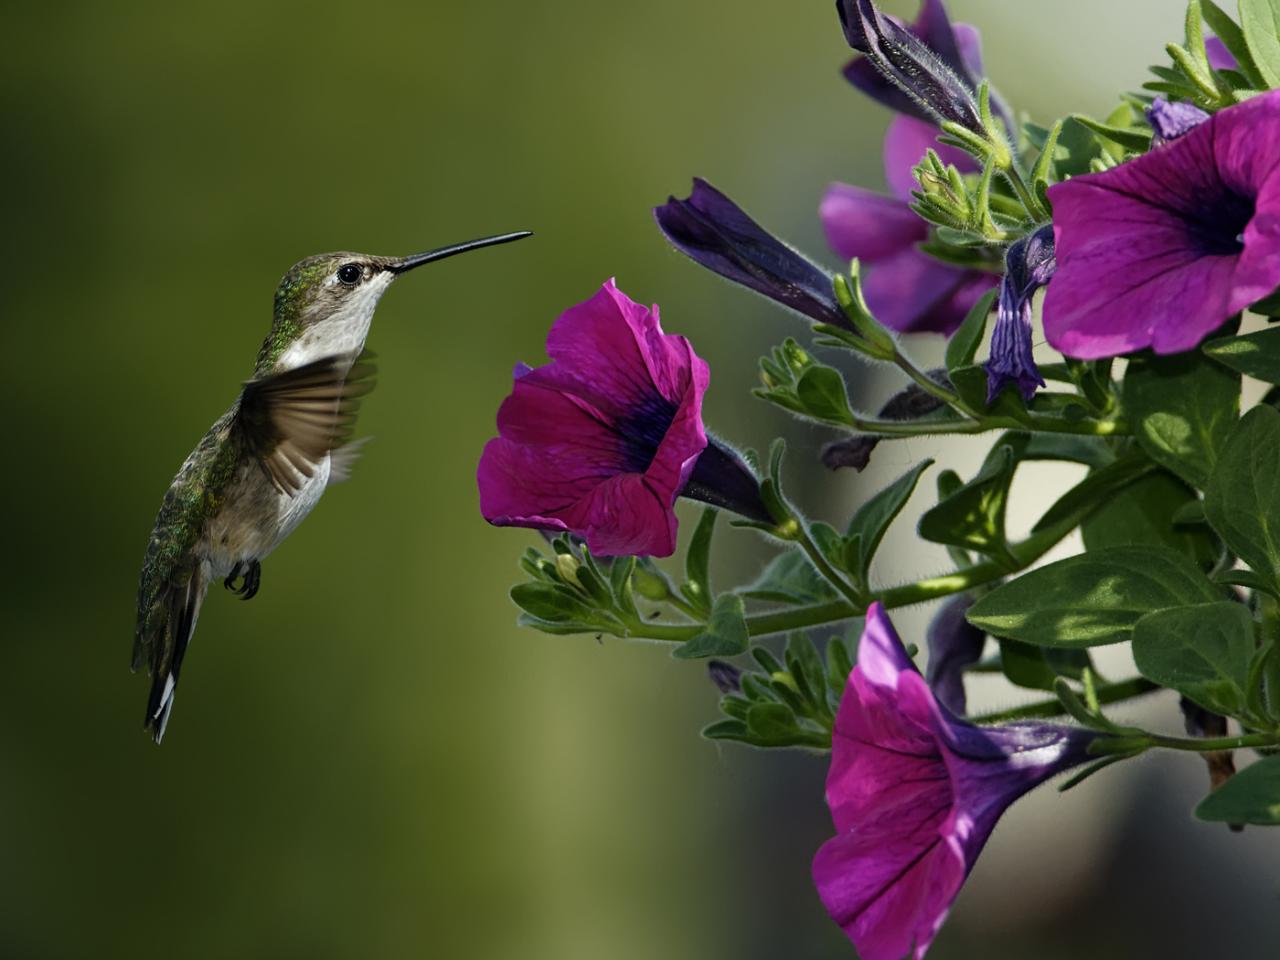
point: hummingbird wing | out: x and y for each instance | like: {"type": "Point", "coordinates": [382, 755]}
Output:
{"type": "Point", "coordinates": [291, 421]}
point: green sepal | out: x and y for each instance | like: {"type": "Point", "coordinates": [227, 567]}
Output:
{"type": "Point", "coordinates": [1251, 796]}
{"type": "Point", "coordinates": [1092, 599]}
{"type": "Point", "coordinates": [553, 603]}
{"type": "Point", "coordinates": [697, 563]}
{"type": "Point", "coordinates": [1134, 139]}
{"type": "Point", "coordinates": [726, 633]}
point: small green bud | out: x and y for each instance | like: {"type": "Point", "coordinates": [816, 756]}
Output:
{"type": "Point", "coordinates": [567, 567]}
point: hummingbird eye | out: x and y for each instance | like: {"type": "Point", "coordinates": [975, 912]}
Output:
{"type": "Point", "coordinates": [350, 274]}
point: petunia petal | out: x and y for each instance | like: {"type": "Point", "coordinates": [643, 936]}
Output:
{"type": "Point", "coordinates": [864, 224]}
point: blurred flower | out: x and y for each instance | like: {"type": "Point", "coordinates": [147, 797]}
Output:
{"type": "Point", "coordinates": [1162, 250]}
{"type": "Point", "coordinates": [1029, 264]}
{"type": "Point", "coordinates": [1220, 57]}
{"type": "Point", "coordinates": [600, 441]}
{"type": "Point", "coordinates": [711, 229]}
{"type": "Point", "coordinates": [1172, 120]}
{"type": "Point", "coordinates": [930, 69]}
{"type": "Point", "coordinates": [953, 643]}
{"type": "Point", "coordinates": [914, 794]}
{"type": "Point", "coordinates": [906, 290]}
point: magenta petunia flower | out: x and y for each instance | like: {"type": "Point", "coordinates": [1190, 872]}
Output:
{"type": "Point", "coordinates": [907, 290]}
{"type": "Point", "coordinates": [602, 440]}
{"type": "Point", "coordinates": [1162, 250]}
{"type": "Point", "coordinates": [914, 794]}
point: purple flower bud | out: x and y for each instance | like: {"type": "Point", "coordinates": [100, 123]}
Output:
{"type": "Point", "coordinates": [726, 677]}
{"type": "Point", "coordinates": [914, 794]}
{"type": "Point", "coordinates": [910, 403]}
{"type": "Point", "coordinates": [1162, 250]}
{"type": "Point", "coordinates": [929, 70]}
{"type": "Point", "coordinates": [1029, 265]}
{"type": "Point", "coordinates": [1171, 120]}
{"type": "Point", "coordinates": [711, 229]}
{"type": "Point", "coordinates": [1220, 58]}
{"type": "Point", "coordinates": [954, 643]}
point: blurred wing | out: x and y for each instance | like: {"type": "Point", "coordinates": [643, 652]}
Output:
{"type": "Point", "coordinates": [291, 421]}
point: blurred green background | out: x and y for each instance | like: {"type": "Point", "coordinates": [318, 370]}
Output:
{"type": "Point", "coordinates": [370, 760]}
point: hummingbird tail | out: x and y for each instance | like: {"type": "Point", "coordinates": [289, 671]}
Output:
{"type": "Point", "coordinates": [182, 608]}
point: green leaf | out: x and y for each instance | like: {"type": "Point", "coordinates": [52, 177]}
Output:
{"type": "Point", "coordinates": [1146, 512]}
{"type": "Point", "coordinates": [1251, 796]}
{"type": "Point", "coordinates": [1038, 668]}
{"type": "Point", "coordinates": [1260, 23]}
{"type": "Point", "coordinates": [1181, 408]}
{"type": "Point", "coordinates": [726, 633]}
{"type": "Point", "coordinates": [1096, 489]}
{"type": "Point", "coordinates": [790, 578]}
{"type": "Point", "coordinates": [868, 526]}
{"type": "Point", "coordinates": [1091, 451]}
{"type": "Point", "coordinates": [971, 385]}
{"type": "Point", "coordinates": [964, 343]}
{"type": "Point", "coordinates": [697, 562]}
{"type": "Point", "coordinates": [726, 730]}
{"type": "Point", "coordinates": [771, 723]}
{"type": "Point", "coordinates": [1203, 652]}
{"type": "Point", "coordinates": [1255, 355]}
{"type": "Point", "coordinates": [973, 516]}
{"type": "Point", "coordinates": [552, 603]}
{"type": "Point", "coordinates": [1134, 139]}
{"type": "Point", "coordinates": [1242, 501]}
{"type": "Point", "coordinates": [1092, 599]}
{"type": "Point", "coordinates": [1232, 37]}
{"type": "Point", "coordinates": [821, 389]}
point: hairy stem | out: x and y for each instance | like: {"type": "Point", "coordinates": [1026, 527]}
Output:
{"type": "Point", "coordinates": [1044, 709]}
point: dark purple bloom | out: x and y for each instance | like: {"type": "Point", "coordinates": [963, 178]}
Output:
{"type": "Point", "coordinates": [1220, 57]}
{"type": "Point", "coordinates": [930, 69]}
{"type": "Point", "coordinates": [914, 794]}
{"type": "Point", "coordinates": [954, 643]}
{"type": "Point", "coordinates": [1162, 250]}
{"type": "Point", "coordinates": [602, 440]}
{"type": "Point", "coordinates": [906, 290]}
{"type": "Point", "coordinates": [1172, 120]}
{"type": "Point", "coordinates": [1029, 264]}
{"type": "Point", "coordinates": [711, 229]}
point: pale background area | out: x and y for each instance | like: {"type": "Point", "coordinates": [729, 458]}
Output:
{"type": "Point", "coordinates": [370, 760]}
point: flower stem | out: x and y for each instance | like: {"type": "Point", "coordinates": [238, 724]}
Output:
{"type": "Point", "coordinates": [829, 573]}
{"type": "Point", "coordinates": [1200, 745]}
{"type": "Point", "coordinates": [1043, 709]}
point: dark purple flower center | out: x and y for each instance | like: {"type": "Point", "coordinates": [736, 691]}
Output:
{"type": "Point", "coordinates": [1216, 228]}
{"type": "Point", "coordinates": [642, 429]}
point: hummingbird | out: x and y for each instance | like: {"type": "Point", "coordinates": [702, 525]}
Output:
{"type": "Point", "coordinates": [264, 463]}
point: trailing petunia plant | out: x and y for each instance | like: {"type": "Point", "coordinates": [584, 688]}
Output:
{"type": "Point", "coordinates": [1150, 239]}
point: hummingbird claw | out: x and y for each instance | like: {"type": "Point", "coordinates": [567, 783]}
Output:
{"type": "Point", "coordinates": [250, 575]}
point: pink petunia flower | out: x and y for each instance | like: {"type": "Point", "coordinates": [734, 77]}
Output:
{"type": "Point", "coordinates": [602, 440]}
{"type": "Point", "coordinates": [907, 290]}
{"type": "Point", "coordinates": [1162, 250]}
{"type": "Point", "coordinates": [914, 793]}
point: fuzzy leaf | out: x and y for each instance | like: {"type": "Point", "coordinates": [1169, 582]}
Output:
{"type": "Point", "coordinates": [964, 343]}
{"type": "Point", "coordinates": [726, 633]}
{"type": "Point", "coordinates": [868, 526]}
{"type": "Point", "coordinates": [1260, 23]}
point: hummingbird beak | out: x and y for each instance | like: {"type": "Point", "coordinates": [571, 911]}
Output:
{"type": "Point", "coordinates": [405, 264]}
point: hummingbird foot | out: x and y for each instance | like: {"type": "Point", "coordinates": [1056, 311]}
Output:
{"type": "Point", "coordinates": [250, 575]}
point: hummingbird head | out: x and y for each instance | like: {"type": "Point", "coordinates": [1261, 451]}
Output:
{"type": "Point", "coordinates": [325, 303]}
